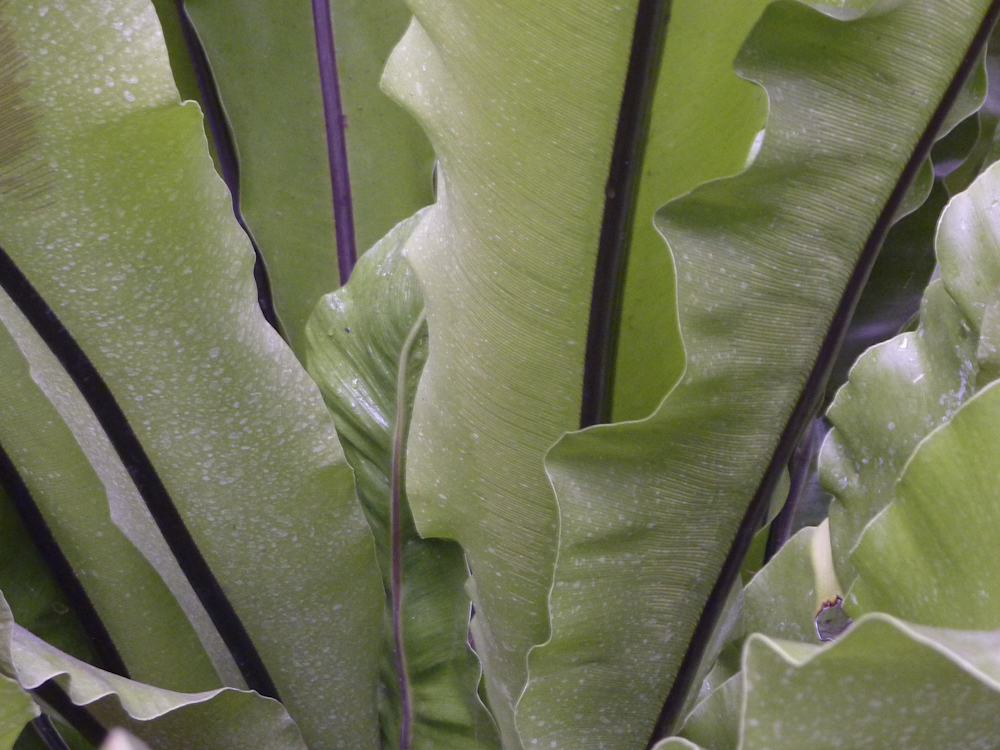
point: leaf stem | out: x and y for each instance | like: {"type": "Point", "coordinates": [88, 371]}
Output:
{"type": "Point", "coordinates": [396, 480]}
{"type": "Point", "coordinates": [336, 140]}
{"type": "Point", "coordinates": [52, 695]}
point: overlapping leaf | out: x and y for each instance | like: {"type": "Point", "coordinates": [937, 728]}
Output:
{"type": "Point", "coordinates": [927, 556]}
{"type": "Point", "coordinates": [130, 238]}
{"type": "Point", "coordinates": [649, 510]}
{"type": "Point", "coordinates": [263, 58]}
{"type": "Point", "coordinates": [930, 556]}
{"type": "Point", "coordinates": [885, 684]}
{"type": "Point", "coordinates": [356, 340]}
{"type": "Point", "coordinates": [704, 121]}
{"type": "Point", "coordinates": [521, 106]}
{"type": "Point", "coordinates": [224, 718]}
{"type": "Point", "coordinates": [901, 390]}
{"type": "Point", "coordinates": [81, 489]}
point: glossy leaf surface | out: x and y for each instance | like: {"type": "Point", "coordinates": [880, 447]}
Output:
{"type": "Point", "coordinates": [929, 557]}
{"type": "Point", "coordinates": [884, 684]}
{"type": "Point", "coordinates": [901, 390]}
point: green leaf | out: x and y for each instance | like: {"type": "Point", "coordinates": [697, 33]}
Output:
{"type": "Point", "coordinates": [901, 390]}
{"type": "Point", "coordinates": [81, 488]}
{"type": "Point", "coordinates": [715, 722]}
{"type": "Point", "coordinates": [781, 598]}
{"type": "Point", "coordinates": [16, 710]}
{"type": "Point", "coordinates": [704, 121]}
{"type": "Point", "coordinates": [180, 61]}
{"type": "Point", "coordinates": [649, 510]}
{"type": "Point", "coordinates": [355, 340]}
{"type": "Point", "coordinates": [929, 557]}
{"type": "Point", "coordinates": [32, 592]}
{"type": "Point", "coordinates": [523, 125]}
{"type": "Point", "coordinates": [133, 243]}
{"type": "Point", "coordinates": [224, 718]}
{"type": "Point", "coordinates": [263, 58]}
{"type": "Point", "coordinates": [893, 292]}
{"type": "Point", "coordinates": [885, 683]}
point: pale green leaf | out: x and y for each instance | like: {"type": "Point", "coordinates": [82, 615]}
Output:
{"type": "Point", "coordinates": [224, 718]}
{"type": "Point", "coordinates": [901, 390]}
{"type": "Point", "coordinates": [520, 101]}
{"type": "Point", "coordinates": [703, 124]}
{"type": "Point", "coordinates": [929, 557]}
{"type": "Point", "coordinates": [715, 722]}
{"type": "Point", "coordinates": [885, 683]}
{"type": "Point", "coordinates": [263, 58]}
{"type": "Point", "coordinates": [82, 490]}
{"type": "Point", "coordinates": [781, 598]}
{"type": "Point", "coordinates": [133, 242]}
{"type": "Point", "coordinates": [649, 509]}
{"type": "Point", "coordinates": [16, 710]}
{"type": "Point", "coordinates": [355, 340]}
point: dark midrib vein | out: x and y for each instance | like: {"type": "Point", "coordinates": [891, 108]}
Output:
{"type": "Point", "coordinates": [225, 147]}
{"type": "Point", "coordinates": [621, 191]}
{"type": "Point", "coordinates": [815, 386]}
{"type": "Point", "coordinates": [76, 716]}
{"type": "Point", "coordinates": [140, 468]}
{"type": "Point", "coordinates": [48, 734]}
{"type": "Point", "coordinates": [336, 140]}
{"type": "Point", "coordinates": [45, 542]}
{"type": "Point", "coordinates": [799, 469]}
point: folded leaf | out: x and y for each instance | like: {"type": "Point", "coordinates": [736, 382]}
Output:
{"type": "Point", "coordinates": [356, 337]}
{"type": "Point", "coordinates": [275, 111]}
{"type": "Point", "coordinates": [653, 512]}
{"type": "Point", "coordinates": [715, 722]}
{"type": "Point", "coordinates": [132, 245]}
{"type": "Point", "coordinates": [781, 598]}
{"type": "Point", "coordinates": [223, 718]}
